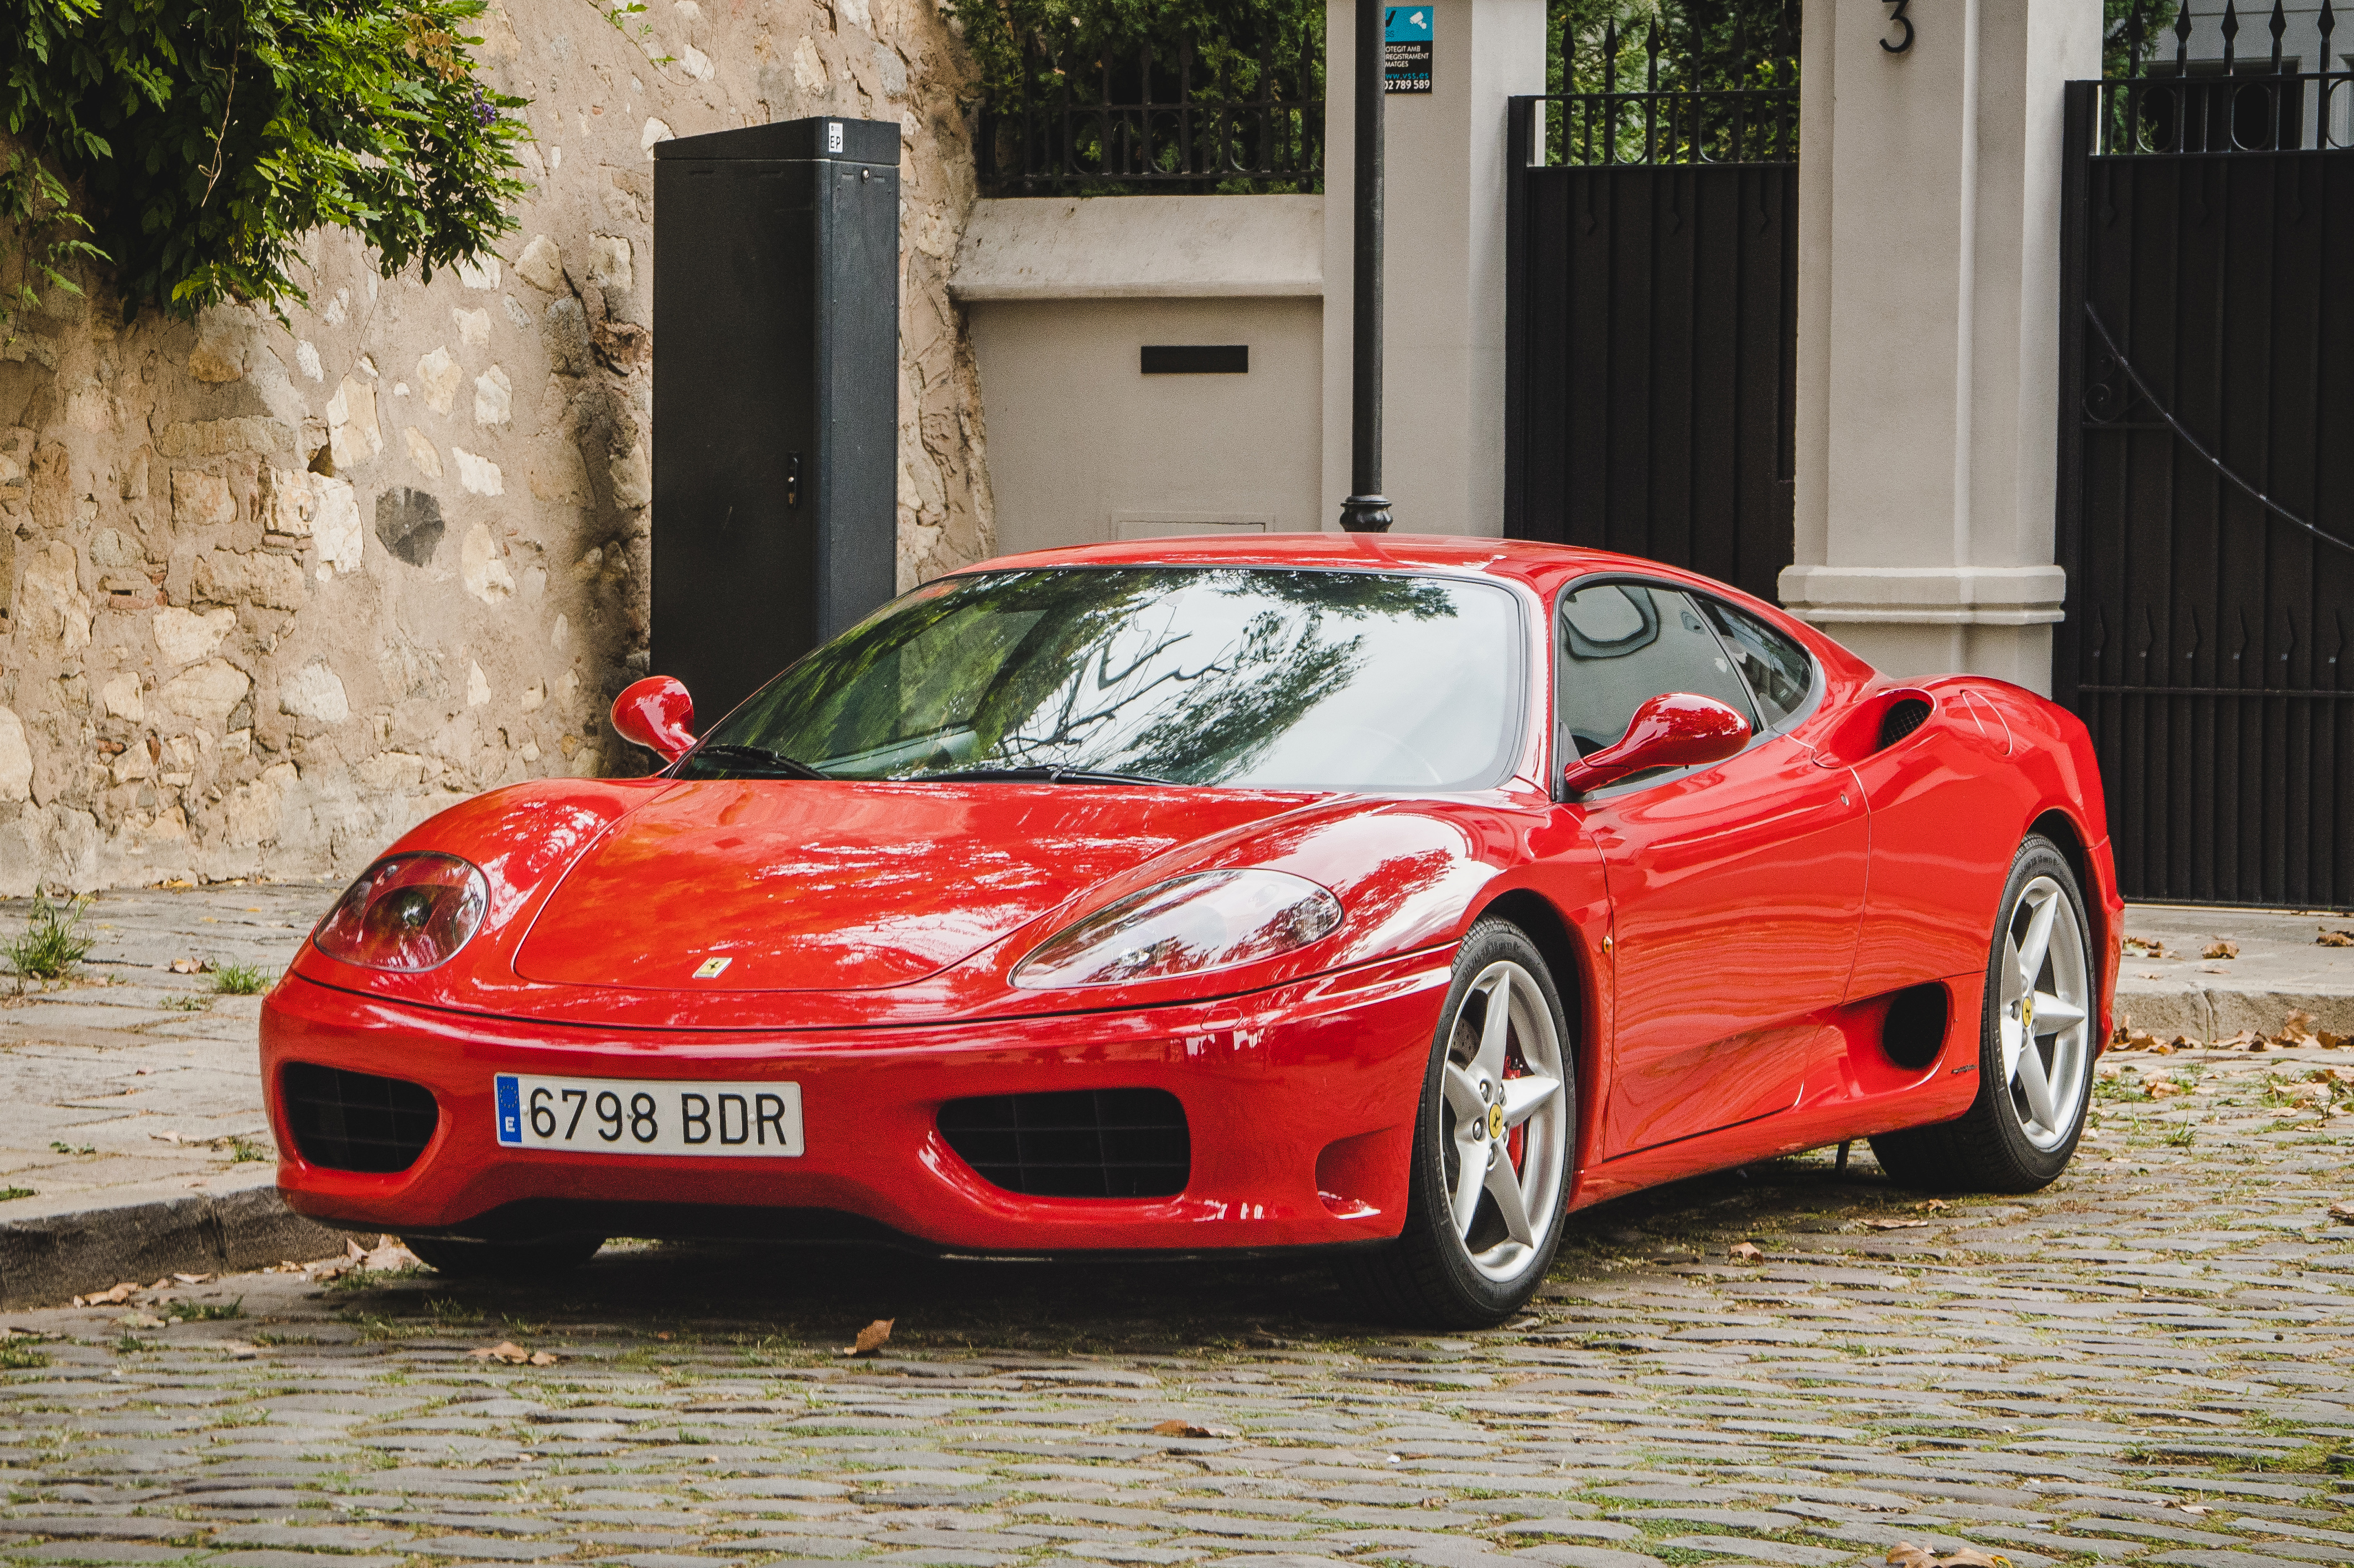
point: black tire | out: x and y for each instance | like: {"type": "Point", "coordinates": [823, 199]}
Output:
{"type": "Point", "coordinates": [510, 1260]}
{"type": "Point", "coordinates": [1989, 1148]}
{"type": "Point", "coordinates": [1428, 1278]}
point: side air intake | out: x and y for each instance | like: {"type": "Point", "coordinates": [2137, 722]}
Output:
{"type": "Point", "coordinates": [1901, 720]}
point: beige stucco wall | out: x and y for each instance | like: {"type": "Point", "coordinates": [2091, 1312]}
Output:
{"type": "Point", "coordinates": [1084, 447]}
{"type": "Point", "coordinates": [235, 640]}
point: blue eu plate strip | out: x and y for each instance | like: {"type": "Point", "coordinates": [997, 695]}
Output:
{"type": "Point", "coordinates": [510, 1110]}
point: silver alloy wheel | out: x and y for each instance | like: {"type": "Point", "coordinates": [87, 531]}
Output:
{"type": "Point", "coordinates": [2046, 1010]}
{"type": "Point", "coordinates": [1504, 1075]}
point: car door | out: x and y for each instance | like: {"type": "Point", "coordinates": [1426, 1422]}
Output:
{"type": "Point", "coordinates": [1736, 889]}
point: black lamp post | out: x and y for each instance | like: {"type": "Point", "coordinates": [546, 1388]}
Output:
{"type": "Point", "coordinates": [1367, 510]}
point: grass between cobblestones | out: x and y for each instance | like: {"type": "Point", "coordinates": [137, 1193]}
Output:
{"type": "Point", "coordinates": [2145, 1363]}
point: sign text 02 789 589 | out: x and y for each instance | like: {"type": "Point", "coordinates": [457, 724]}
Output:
{"type": "Point", "coordinates": [1405, 48]}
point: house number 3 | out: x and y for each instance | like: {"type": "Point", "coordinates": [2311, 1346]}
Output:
{"type": "Point", "coordinates": [1901, 20]}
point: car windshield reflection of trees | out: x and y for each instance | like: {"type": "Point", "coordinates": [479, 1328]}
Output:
{"type": "Point", "coordinates": [1242, 676]}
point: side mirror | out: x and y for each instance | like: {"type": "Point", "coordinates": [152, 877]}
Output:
{"type": "Point", "coordinates": [1674, 729]}
{"type": "Point", "coordinates": [657, 714]}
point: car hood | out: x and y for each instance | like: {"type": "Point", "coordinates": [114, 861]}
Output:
{"type": "Point", "coordinates": [788, 886]}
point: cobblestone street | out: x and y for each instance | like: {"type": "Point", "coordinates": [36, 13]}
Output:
{"type": "Point", "coordinates": [2145, 1363]}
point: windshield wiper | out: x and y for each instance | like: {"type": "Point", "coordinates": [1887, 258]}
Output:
{"type": "Point", "coordinates": [1039, 775]}
{"type": "Point", "coordinates": [756, 756]}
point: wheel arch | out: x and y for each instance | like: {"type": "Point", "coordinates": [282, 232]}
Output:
{"type": "Point", "coordinates": [1543, 924]}
{"type": "Point", "coordinates": [2067, 835]}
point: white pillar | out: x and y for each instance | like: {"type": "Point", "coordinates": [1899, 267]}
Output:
{"type": "Point", "coordinates": [1928, 329]}
{"type": "Point", "coordinates": [1443, 289]}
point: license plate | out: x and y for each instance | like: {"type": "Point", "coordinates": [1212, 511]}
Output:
{"type": "Point", "coordinates": [648, 1115]}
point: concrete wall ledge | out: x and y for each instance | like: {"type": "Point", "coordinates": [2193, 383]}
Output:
{"type": "Point", "coordinates": [1141, 247]}
{"type": "Point", "coordinates": [1925, 595]}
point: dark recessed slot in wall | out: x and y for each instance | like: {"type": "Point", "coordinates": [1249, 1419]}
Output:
{"type": "Point", "coordinates": [1196, 359]}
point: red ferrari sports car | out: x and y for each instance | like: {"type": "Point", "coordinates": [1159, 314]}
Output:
{"type": "Point", "coordinates": [1382, 895]}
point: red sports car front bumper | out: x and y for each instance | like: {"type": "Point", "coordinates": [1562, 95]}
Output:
{"type": "Point", "coordinates": [1299, 1103]}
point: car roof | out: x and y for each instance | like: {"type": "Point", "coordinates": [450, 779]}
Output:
{"type": "Point", "coordinates": [1527, 560]}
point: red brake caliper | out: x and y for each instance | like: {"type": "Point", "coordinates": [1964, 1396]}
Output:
{"type": "Point", "coordinates": [1516, 1139]}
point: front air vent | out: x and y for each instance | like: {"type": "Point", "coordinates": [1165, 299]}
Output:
{"type": "Point", "coordinates": [1084, 1143]}
{"type": "Point", "coordinates": [356, 1121]}
{"type": "Point", "coordinates": [1901, 720]}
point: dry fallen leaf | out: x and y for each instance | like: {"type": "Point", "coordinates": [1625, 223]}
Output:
{"type": "Point", "coordinates": [1897, 1225]}
{"type": "Point", "coordinates": [191, 967]}
{"type": "Point", "coordinates": [1933, 1205]}
{"type": "Point", "coordinates": [2335, 939]}
{"type": "Point", "coordinates": [2147, 947]}
{"type": "Point", "coordinates": [2161, 1088]}
{"type": "Point", "coordinates": [1743, 1252]}
{"type": "Point", "coordinates": [2221, 947]}
{"type": "Point", "coordinates": [115, 1297]}
{"type": "Point", "coordinates": [2342, 1212]}
{"type": "Point", "coordinates": [192, 1278]}
{"type": "Point", "coordinates": [2245, 1040]}
{"type": "Point", "coordinates": [1173, 1427]}
{"type": "Point", "coordinates": [872, 1338]}
{"type": "Point", "coordinates": [2191, 1508]}
{"type": "Point", "coordinates": [507, 1350]}
{"type": "Point", "coordinates": [1905, 1555]}
{"type": "Point", "coordinates": [388, 1256]}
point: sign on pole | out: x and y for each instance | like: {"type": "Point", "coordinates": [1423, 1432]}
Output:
{"type": "Point", "coordinates": [1406, 50]}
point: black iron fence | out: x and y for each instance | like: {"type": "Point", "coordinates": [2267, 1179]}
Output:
{"type": "Point", "coordinates": [1683, 114]}
{"type": "Point", "coordinates": [2239, 103]}
{"type": "Point", "coordinates": [1136, 123]}
{"type": "Point", "coordinates": [2206, 480]}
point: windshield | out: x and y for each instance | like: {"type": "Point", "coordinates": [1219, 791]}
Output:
{"type": "Point", "coordinates": [1256, 677]}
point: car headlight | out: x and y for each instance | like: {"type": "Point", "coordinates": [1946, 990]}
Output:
{"type": "Point", "coordinates": [1188, 925]}
{"type": "Point", "coordinates": [406, 912]}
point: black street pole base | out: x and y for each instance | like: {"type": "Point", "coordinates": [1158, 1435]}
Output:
{"type": "Point", "coordinates": [1365, 515]}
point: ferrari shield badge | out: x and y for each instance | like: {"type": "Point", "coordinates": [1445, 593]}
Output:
{"type": "Point", "coordinates": [712, 968]}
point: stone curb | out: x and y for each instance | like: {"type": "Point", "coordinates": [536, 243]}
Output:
{"type": "Point", "coordinates": [2209, 1015]}
{"type": "Point", "coordinates": [143, 1233]}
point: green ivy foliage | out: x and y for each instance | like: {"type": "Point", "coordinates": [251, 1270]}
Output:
{"type": "Point", "coordinates": [204, 139]}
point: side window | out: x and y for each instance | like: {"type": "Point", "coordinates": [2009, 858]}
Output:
{"type": "Point", "coordinates": [1780, 673]}
{"type": "Point", "coordinates": [1623, 642]}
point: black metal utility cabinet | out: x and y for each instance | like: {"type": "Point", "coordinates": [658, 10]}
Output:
{"type": "Point", "coordinates": [776, 396]}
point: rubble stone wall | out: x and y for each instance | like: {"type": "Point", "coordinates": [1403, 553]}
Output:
{"type": "Point", "coordinates": [270, 593]}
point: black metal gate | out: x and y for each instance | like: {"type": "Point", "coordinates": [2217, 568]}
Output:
{"type": "Point", "coordinates": [2207, 476]}
{"type": "Point", "coordinates": [1651, 355]}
